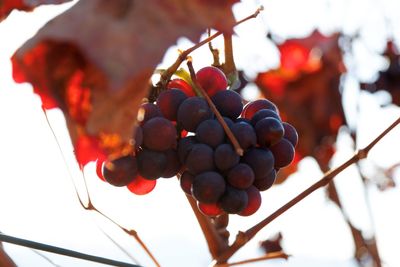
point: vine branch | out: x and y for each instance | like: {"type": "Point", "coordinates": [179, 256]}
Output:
{"type": "Point", "coordinates": [243, 237]}
{"type": "Point", "coordinates": [268, 256]}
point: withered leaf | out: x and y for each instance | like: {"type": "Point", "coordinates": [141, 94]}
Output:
{"type": "Point", "coordinates": [95, 60]}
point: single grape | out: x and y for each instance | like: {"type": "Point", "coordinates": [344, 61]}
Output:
{"type": "Point", "coordinates": [225, 157]}
{"type": "Point", "coordinates": [173, 164]}
{"type": "Point", "coordinates": [210, 209]}
{"type": "Point", "coordinates": [208, 187]}
{"type": "Point", "coordinates": [264, 113]}
{"type": "Point", "coordinates": [148, 111]}
{"type": "Point", "coordinates": [210, 132]}
{"type": "Point", "coordinates": [260, 160]}
{"type": "Point", "coordinates": [243, 120]}
{"type": "Point", "coordinates": [169, 101]}
{"type": "Point", "coordinates": [283, 152]}
{"type": "Point", "coordinates": [151, 163]}
{"type": "Point", "coordinates": [181, 85]}
{"type": "Point", "coordinates": [228, 121]}
{"type": "Point", "coordinates": [269, 131]}
{"type": "Point", "coordinates": [265, 182]}
{"type": "Point", "coordinates": [254, 201]}
{"type": "Point", "coordinates": [141, 186]}
{"type": "Point", "coordinates": [192, 112]}
{"type": "Point", "coordinates": [233, 200]}
{"type": "Point", "coordinates": [251, 108]}
{"type": "Point", "coordinates": [245, 134]}
{"type": "Point", "coordinates": [241, 176]}
{"type": "Point", "coordinates": [290, 134]}
{"type": "Point", "coordinates": [212, 80]}
{"type": "Point", "coordinates": [159, 134]}
{"type": "Point", "coordinates": [184, 147]}
{"type": "Point", "coordinates": [186, 182]}
{"type": "Point", "coordinates": [200, 159]}
{"type": "Point", "coordinates": [229, 103]}
{"type": "Point", "coordinates": [120, 171]}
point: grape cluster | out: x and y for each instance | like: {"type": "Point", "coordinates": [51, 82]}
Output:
{"type": "Point", "coordinates": [180, 133]}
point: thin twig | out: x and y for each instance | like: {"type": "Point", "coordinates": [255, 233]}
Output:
{"type": "Point", "coordinates": [166, 76]}
{"type": "Point", "coordinates": [90, 205]}
{"type": "Point", "coordinates": [221, 120]}
{"type": "Point", "coordinates": [45, 258]}
{"type": "Point", "coordinates": [269, 256]}
{"type": "Point", "coordinates": [243, 237]}
{"type": "Point", "coordinates": [62, 251]}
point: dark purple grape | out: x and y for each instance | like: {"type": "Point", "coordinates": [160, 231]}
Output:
{"type": "Point", "coordinates": [200, 159]}
{"type": "Point", "coordinates": [151, 163]}
{"type": "Point", "coordinates": [254, 201]}
{"type": "Point", "coordinates": [169, 101]}
{"type": "Point", "coordinates": [260, 160]}
{"type": "Point", "coordinates": [241, 176]}
{"type": "Point", "coordinates": [173, 164]}
{"type": "Point", "coordinates": [186, 182]}
{"type": "Point", "coordinates": [192, 112]}
{"type": "Point", "coordinates": [159, 134]}
{"type": "Point", "coordinates": [233, 200]}
{"type": "Point", "coordinates": [269, 131]}
{"type": "Point", "coordinates": [121, 171]}
{"type": "Point", "coordinates": [148, 111]}
{"type": "Point", "coordinates": [137, 137]}
{"type": "Point", "coordinates": [229, 103]}
{"type": "Point", "coordinates": [264, 113]}
{"type": "Point", "coordinates": [208, 187]}
{"type": "Point", "coordinates": [184, 147]}
{"type": "Point", "coordinates": [225, 157]}
{"type": "Point", "coordinates": [243, 120]}
{"type": "Point", "coordinates": [210, 132]}
{"type": "Point", "coordinates": [290, 133]}
{"type": "Point", "coordinates": [265, 182]}
{"type": "Point", "coordinates": [283, 152]}
{"type": "Point", "coordinates": [245, 134]}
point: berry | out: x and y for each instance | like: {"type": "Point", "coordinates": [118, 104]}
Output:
{"type": "Point", "coordinates": [148, 111]}
{"type": "Point", "coordinates": [208, 187]}
{"type": "Point", "coordinates": [260, 160]}
{"type": "Point", "coordinates": [169, 101]}
{"type": "Point", "coordinates": [181, 85]}
{"type": "Point", "coordinates": [210, 132]}
{"type": "Point", "coordinates": [185, 145]}
{"type": "Point", "coordinates": [211, 210]}
{"type": "Point", "coordinates": [141, 186]}
{"type": "Point", "coordinates": [186, 182]}
{"type": "Point", "coordinates": [290, 133]}
{"type": "Point", "coordinates": [245, 134]}
{"type": "Point", "coordinates": [264, 113]}
{"type": "Point", "coordinates": [225, 157]}
{"type": "Point", "coordinates": [138, 137]}
{"type": "Point", "coordinates": [192, 112]}
{"type": "Point", "coordinates": [159, 134]}
{"type": "Point", "coordinates": [151, 163]}
{"type": "Point", "coordinates": [254, 201]}
{"type": "Point", "coordinates": [265, 182]}
{"type": "Point", "coordinates": [229, 103]}
{"type": "Point", "coordinates": [269, 131]}
{"type": "Point", "coordinates": [173, 165]}
{"type": "Point", "coordinates": [212, 80]}
{"type": "Point", "coordinates": [234, 200]}
{"type": "Point", "coordinates": [121, 171]}
{"type": "Point", "coordinates": [251, 108]}
{"type": "Point", "coordinates": [200, 159]}
{"type": "Point", "coordinates": [283, 153]}
{"type": "Point", "coordinates": [241, 176]}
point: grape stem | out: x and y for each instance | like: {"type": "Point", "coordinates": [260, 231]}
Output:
{"type": "Point", "coordinates": [268, 256]}
{"type": "Point", "coordinates": [227, 130]}
{"type": "Point", "coordinates": [243, 237]}
{"type": "Point", "coordinates": [166, 75]}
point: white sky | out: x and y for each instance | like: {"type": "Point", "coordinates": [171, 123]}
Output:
{"type": "Point", "coordinates": [38, 201]}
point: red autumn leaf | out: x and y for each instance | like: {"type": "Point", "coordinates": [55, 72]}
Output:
{"type": "Point", "coordinates": [6, 6]}
{"type": "Point", "coordinates": [308, 97]}
{"type": "Point", "coordinates": [95, 60]}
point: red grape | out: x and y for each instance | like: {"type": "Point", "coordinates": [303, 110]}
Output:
{"type": "Point", "coordinates": [208, 187]}
{"type": "Point", "coordinates": [159, 134]}
{"type": "Point", "coordinates": [141, 186]}
{"type": "Point", "coordinates": [251, 108]}
{"type": "Point", "coordinates": [254, 201]}
{"type": "Point", "coordinates": [181, 85]}
{"type": "Point", "coordinates": [211, 210]}
{"type": "Point", "coordinates": [169, 101]}
{"type": "Point", "coordinates": [120, 171]}
{"type": "Point", "coordinates": [212, 80]}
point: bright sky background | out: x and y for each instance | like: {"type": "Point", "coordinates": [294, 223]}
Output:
{"type": "Point", "coordinates": [38, 200]}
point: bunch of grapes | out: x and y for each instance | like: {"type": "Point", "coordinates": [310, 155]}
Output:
{"type": "Point", "coordinates": [180, 135]}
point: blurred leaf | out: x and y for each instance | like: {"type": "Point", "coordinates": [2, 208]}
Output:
{"type": "Point", "coordinates": [95, 60]}
{"type": "Point", "coordinates": [306, 89]}
{"type": "Point", "coordinates": [6, 6]}
{"type": "Point", "coordinates": [272, 244]}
